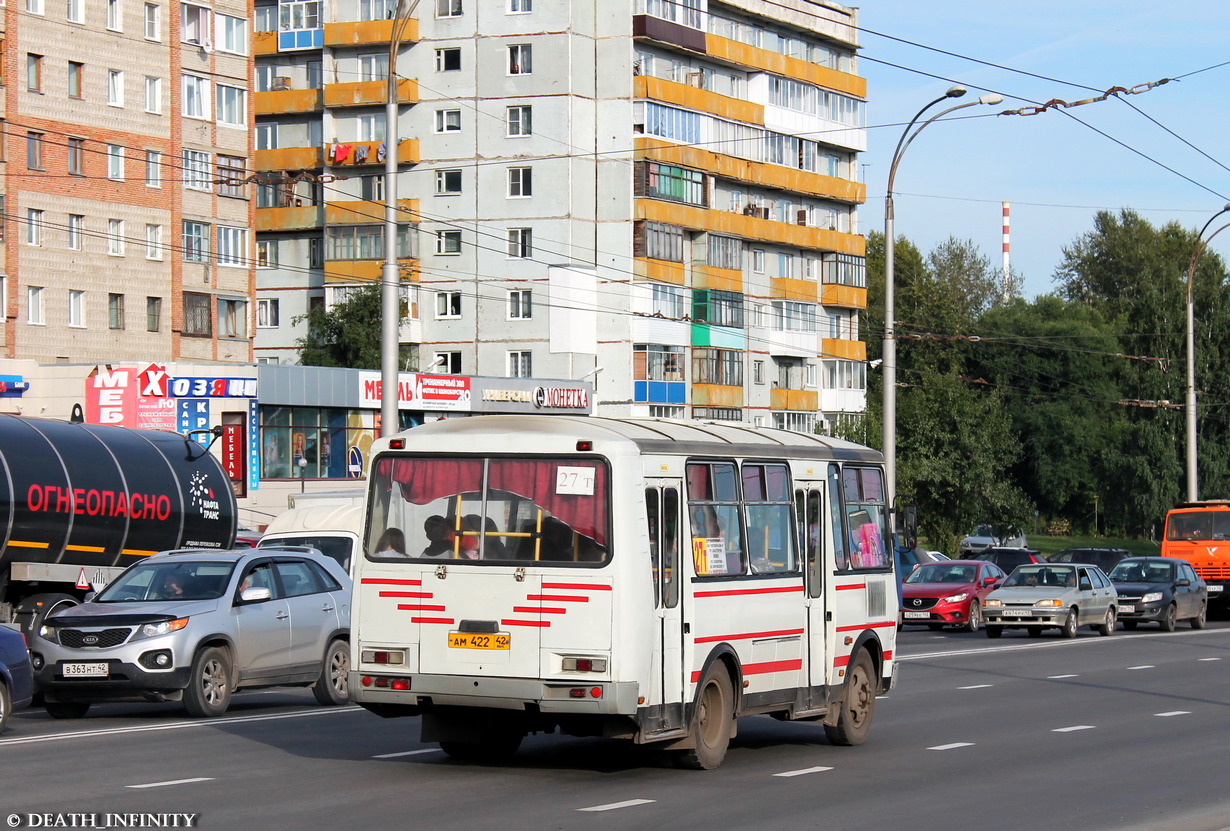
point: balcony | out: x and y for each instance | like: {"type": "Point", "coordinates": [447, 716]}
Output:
{"type": "Point", "coordinates": [791, 289]}
{"type": "Point", "coordinates": [716, 395]}
{"type": "Point", "coordinates": [695, 98]}
{"type": "Point", "coordinates": [286, 101]}
{"type": "Point", "coordinates": [369, 93]}
{"type": "Point", "coordinates": [360, 212]}
{"type": "Point", "coordinates": [367, 32]}
{"type": "Point", "coordinates": [362, 153]}
{"type": "Point", "coordinates": [799, 400]}
{"type": "Point", "coordinates": [297, 218]}
{"type": "Point", "coordinates": [349, 271]}
{"type": "Point", "coordinates": [848, 297]}
{"type": "Point", "coordinates": [734, 224]}
{"type": "Point", "coordinates": [851, 350]}
{"type": "Point", "coordinates": [264, 43]}
{"type": "Point", "coordinates": [289, 158]}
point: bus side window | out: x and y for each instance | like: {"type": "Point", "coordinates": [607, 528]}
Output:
{"type": "Point", "coordinates": [670, 548]}
{"type": "Point", "coordinates": [653, 514]}
{"type": "Point", "coordinates": [836, 517]}
{"type": "Point", "coordinates": [811, 522]}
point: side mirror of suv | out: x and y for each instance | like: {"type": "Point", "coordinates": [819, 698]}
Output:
{"type": "Point", "coordinates": [255, 594]}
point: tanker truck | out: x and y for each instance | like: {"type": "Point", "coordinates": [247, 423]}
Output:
{"type": "Point", "coordinates": [81, 502]}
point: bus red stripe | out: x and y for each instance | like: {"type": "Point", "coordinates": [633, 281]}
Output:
{"type": "Point", "coordinates": [546, 610]}
{"type": "Point", "coordinates": [598, 587]}
{"type": "Point", "coordinates": [738, 592]}
{"type": "Point", "coordinates": [380, 581]}
{"type": "Point", "coordinates": [773, 666]}
{"type": "Point", "coordinates": [413, 607]}
{"type": "Point", "coordinates": [447, 620]}
{"type": "Point", "coordinates": [841, 660]}
{"type": "Point", "coordinates": [883, 625]}
{"type": "Point", "coordinates": [746, 635]}
{"type": "Point", "coordinates": [405, 594]}
{"type": "Point", "coordinates": [888, 654]}
{"type": "Point", "coordinates": [850, 587]}
{"type": "Point", "coordinates": [559, 598]}
{"type": "Point", "coordinates": [525, 622]}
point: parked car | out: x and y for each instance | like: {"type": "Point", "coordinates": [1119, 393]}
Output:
{"type": "Point", "coordinates": [246, 537]}
{"type": "Point", "coordinates": [949, 593]}
{"type": "Point", "coordinates": [1103, 558]}
{"type": "Point", "coordinates": [986, 536]}
{"type": "Point", "coordinates": [16, 677]}
{"type": "Point", "coordinates": [1009, 558]}
{"type": "Point", "coordinates": [1065, 596]}
{"type": "Point", "coordinates": [196, 626]}
{"type": "Point", "coordinates": [1160, 589]}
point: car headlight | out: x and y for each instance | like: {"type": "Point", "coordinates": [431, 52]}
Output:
{"type": "Point", "coordinates": [956, 598]}
{"type": "Point", "coordinates": [154, 630]}
{"type": "Point", "coordinates": [48, 633]}
{"type": "Point", "coordinates": [1151, 597]}
{"type": "Point", "coordinates": [993, 602]}
{"type": "Point", "coordinates": [1049, 604]}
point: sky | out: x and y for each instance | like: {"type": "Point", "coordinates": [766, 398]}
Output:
{"type": "Point", "coordinates": [1055, 171]}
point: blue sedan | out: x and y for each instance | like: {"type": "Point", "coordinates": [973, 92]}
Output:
{"type": "Point", "coordinates": [16, 677]}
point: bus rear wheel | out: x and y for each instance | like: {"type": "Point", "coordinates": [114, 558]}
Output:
{"type": "Point", "coordinates": [712, 721]}
{"type": "Point", "coordinates": [858, 706]}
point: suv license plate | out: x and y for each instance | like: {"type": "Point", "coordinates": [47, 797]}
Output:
{"type": "Point", "coordinates": [85, 670]}
{"type": "Point", "coordinates": [471, 640]}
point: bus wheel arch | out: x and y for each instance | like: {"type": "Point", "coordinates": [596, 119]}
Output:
{"type": "Point", "coordinates": [711, 723]}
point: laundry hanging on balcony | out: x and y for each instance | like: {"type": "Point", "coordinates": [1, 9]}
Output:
{"type": "Point", "coordinates": [341, 152]}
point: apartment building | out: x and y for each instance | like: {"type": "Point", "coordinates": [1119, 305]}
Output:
{"type": "Point", "coordinates": [127, 213]}
{"type": "Point", "coordinates": [659, 196]}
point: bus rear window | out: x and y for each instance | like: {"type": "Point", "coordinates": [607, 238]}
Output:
{"type": "Point", "coordinates": [490, 510]}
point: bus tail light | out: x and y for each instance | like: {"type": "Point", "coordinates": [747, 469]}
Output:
{"type": "Point", "coordinates": [578, 664]}
{"type": "Point", "coordinates": [385, 683]}
{"type": "Point", "coordinates": [395, 657]}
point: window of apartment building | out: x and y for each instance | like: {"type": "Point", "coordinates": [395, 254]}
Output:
{"type": "Point", "coordinates": [76, 11]}
{"type": "Point", "coordinates": [376, 9]}
{"type": "Point", "coordinates": [153, 94]}
{"type": "Point", "coordinates": [231, 174]}
{"type": "Point", "coordinates": [758, 260]}
{"type": "Point", "coordinates": [232, 106]}
{"type": "Point", "coordinates": [520, 304]}
{"type": "Point", "coordinates": [794, 316]}
{"type": "Point", "coordinates": [520, 6]}
{"type": "Point", "coordinates": [362, 242]}
{"type": "Point", "coordinates": [659, 241]}
{"type": "Point", "coordinates": [267, 313]}
{"type": "Point", "coordinates": [115, 311]}
{"type": "Point", "coordinates": [115, 237]}
{"type": "Point", "coordinates": [34, 150]}
{"type": "Point", "coordinates": [301, 15]}
{"type": "Point", "coordinates": [448, 242]}
{"type": "Point", "coordinates": [153, 22]}
{"type": "Point", "coordinates": [316, 252]}
{"type": "Point", "coordinates": [520, 59]}
{"type": "Point", "coordinates": [153, 314]}
{"type": "Point", "coordinates": [370, 127]}
{"type": "Point", "coordinates": [448, 305]}
{"type": "Point", "coordinates": [115, 162]}
{"type": "Point", "coordinates": [195, 97]}
{"type": "Point", "coordinates": [785, 266]}
{"type": "Point", "coordinates": [76, 156]}
{"type": "Point", "coordinates": [153, 241]}
{"type": "Point", "coordinates": [719, 308]}
{"type": "Point", "coordinates": [75, 72]}
{"type": "Point", "coordinates": [672, 183]}
{"type": "Point", "coordinates": [232, 34]}
{"type": "Point", "coordinates": [725, 252]}
{"type": "Point", "coordinates": [115, 87]}
{"type": "Point", "coordinates": [196, 241]}
{"type": "Point", "coordinates": [374, 67]}
{"type": "Point", "coordinates": [520, 120]}
{"type": "Point", "coordinates": [194, 24]}
{"type": "Point", "coordinates": [197, 172]}
{"type": "Point", "coordinates": [371, 188]}
{"type": "Point", "coordinates": [668, 301]}
{"type": "Point", "coordinates": [811, 267]}
{"type": "Point", "coordinates": [520, 364]}
{"type": "Point", "coordinates": [267, 253]}
{"type": "Point", "coordinates": [758, 372]}
{"type": "Point", "coordinates": [34, 305]}
{"type": "Point", "coordinates": [115, 16]}
{"type": "Point", "coordinates": [266, 136]}
{"type": "Point", "coordinates": [717, 366]}
{"type": "Point", "coordinates": [265, 19]}
{"type": "Point", "coordinates": [448, 182]}
{"type": "Point", "coordinates": [34, 6]}
{"type": "Point", "coordinates": [153, 169]}
{"type": "Point", "coordinates": [34, 226]}
{"type": "Point", "coordinates": [448, 121]}
{"type": "Point", "coordinates": [845, 270]}
{"type": "Point", "coordinates": [654, 362]}
{"type": "Point", "coordinates": [810, 375]}
{"type": "Point", "coordinates": [520, 243]}
{"type": "Point", "coordinates": [76, 308]}
{"type": "Point", "coordinates": [448, 60]}
{"type": "Point", "coordinates": [520, 181]}
{"type": "Point", "coordinates": [232, 318]}
{"type": "Point", "coordinates": [447, 363]}
{"type": "Point", "coordinates": [76, 225]}
{"type": "Point", "coordinates": [232, 246]}
{"type": "Point", "coordinates": [197, 314]}
{"type": "Point", "coordinates": [34, 72]}
{"type": "Point", "coordinates": [448, 8]}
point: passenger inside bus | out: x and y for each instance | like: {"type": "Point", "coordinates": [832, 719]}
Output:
{"type": "Point", "coordinates": [392, 543]}
{"type": "Point", "coordinates": [435, 527]}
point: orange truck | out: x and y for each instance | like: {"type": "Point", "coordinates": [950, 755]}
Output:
{"type": "Point", "coordinates": [1199, 532]}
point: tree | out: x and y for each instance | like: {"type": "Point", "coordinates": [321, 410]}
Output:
{"type": "Point", "coordinates": [348, 334]}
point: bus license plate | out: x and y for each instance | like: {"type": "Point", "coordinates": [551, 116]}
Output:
{"type": "Point", "coordinates": [85, 670]}
{"type": "Point", "coordinates": [472, 640]}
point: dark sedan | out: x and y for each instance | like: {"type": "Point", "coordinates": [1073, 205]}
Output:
{"type": "Point", "coordinates": [1159, 589]}
{"type": "Point", "coordinates": [16, 677]}
{"type": "Point", "coordinates": [1008, 558]}
{"type": "Point", "coordinates": [1103, 558]}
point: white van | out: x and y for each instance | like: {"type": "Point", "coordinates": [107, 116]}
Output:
{"type": "Point", "coordinates": [332, 523]}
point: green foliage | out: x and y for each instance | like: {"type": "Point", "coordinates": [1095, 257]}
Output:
{"type": "Point", "coordinates": [348, 335]}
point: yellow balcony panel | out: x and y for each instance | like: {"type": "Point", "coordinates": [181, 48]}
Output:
{"type": "Point", "coordinates": [787, 289]}
{"type": "Point", "coordinates": [289, 219]}
{"type": "Point", "coordinates": [848, 297]}
{"type": "Point", "coordinates": [716, 395]}
{"type": "Point", "coordinates": [719, 279]}
{"type": "Point", "coordinates": [264, 43]}
{"type": "Point", "coordinates": [289, 158]}
{"type": "Point", "coordinates": [734, 52]}
{"type": "Point", "coordinates": [750, 227]}
{"type": "Point", "coordinates": [661, 270]}
{"type": "Point", "coordinates": [804, 400]}
{"type": "Point", "coordinates": [368, 32]}
{"type": "Point", "coordinates": [348, 271]}
{"type": "Point", "coordinates": [369, 93]}
{"type": "Point", "coordinates": [754, 173]}
{"type": "Point", "coordinates": [358, 212]}
{"type": "Point", "coordinates": [360, 153]}
{"type": "Point", "coordinates": [851, 350]}
{"type": "Point", "coordinates": [279, 101]}
{"type": "Point", "coordinates": [694, 98]}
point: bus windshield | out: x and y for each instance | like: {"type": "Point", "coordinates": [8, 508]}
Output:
{"type": "Point", "coordinates": [490, 509]}
{"type": "Point", "coordinates": [1198, 525]}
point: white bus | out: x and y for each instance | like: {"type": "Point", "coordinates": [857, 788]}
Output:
{"type": "Point", "coordinates": [532, 573]}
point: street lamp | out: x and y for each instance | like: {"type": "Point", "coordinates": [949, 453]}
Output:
{"type": "Point", "coordinates": [890, 339]}
{"type": "Point", "coordinates": [1201, 245]}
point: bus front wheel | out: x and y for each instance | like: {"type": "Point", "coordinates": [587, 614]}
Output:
{"type": "Point", "coordinates": [858, 706]}
{"type": "Point", "coordinates": [712, 722]}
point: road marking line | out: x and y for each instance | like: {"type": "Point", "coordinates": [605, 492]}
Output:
{"type": "Point", "coordinates": [802, 771]}
{"type": "Point", "coordinates": [1174, 713]}
{"type": "Point", "coordinates": [976, 687]}
{"type": "Point", "coordinates": [1055, 644]}
{"type": "Point", "coordinates": [1073, 728]}
{"type": "Point", "coordinates": [1208, 659]}
{"type": "Point", "coordinates": [1056, 677]}
{"type": "Point", "coordinates": [171, 782]}
{"type": "Point", "coordinates": [407, 753]}
{"type": "Point", "coordinates": [1143, 666]}
{"type": "Point", "coordinates": [614, 805]}
{"type": "Point", "coordinates": [952, 746]}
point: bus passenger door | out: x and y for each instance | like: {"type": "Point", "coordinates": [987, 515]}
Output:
{"type": "Point", "coordinates": [662, 508]}
{"type": "Point", "coordinates": [809, 502]}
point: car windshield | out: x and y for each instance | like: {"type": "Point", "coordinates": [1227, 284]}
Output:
{"type": "Point", "coordinates": [1042, 575]}
{"type": "Point", "coordinates": [160, 581]}
{"type": "Point", "coordinates": [941, 573]}
{"type": "Point", "coordinates": [1127, 571]}
{"type": "Point", "coordinates": [984, 531]}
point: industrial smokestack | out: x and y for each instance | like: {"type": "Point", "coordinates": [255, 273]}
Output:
{"type": "Point", "coordinates": [1006, 281]}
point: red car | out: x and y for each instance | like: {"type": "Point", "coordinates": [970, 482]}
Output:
{"type": "Point", "coordinates": [948, 593]}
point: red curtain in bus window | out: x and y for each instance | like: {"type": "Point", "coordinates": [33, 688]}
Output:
{"type": "Point", "coordinates": [425, 480]}
{"type": "Point", "coordinates": [537, 480]}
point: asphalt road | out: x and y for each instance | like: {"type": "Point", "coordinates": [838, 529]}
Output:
{"type": "Point", "coordinates": [1127, 733]}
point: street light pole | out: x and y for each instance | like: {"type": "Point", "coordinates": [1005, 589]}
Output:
{"type": "Point", "coordinates": [1197, 252]}
{"type": "Point", "coordinates": [890, 323]}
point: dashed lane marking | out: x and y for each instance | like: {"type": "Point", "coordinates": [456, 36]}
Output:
{"type": "Point", "coordinates": [1057, 677]}
{"type": "Point", "coordinates": [408, 753]}
{"type": "Point", "coordinates": [952, 746]}
{"type": "Point", "coordinates": [612, 806]}
{"type": "Point", "coordinates": [1174, 713]}
{"type": "Point", "coordinates": [976, 687]}
{"type": "Point", "coordinates": [1073, 728]}
{"type": "Point", "coordinates": [802, 771]}
{"type": "Point", "coordinates": [171, 782]}
{"type": "Point", "coordinates": [1143, 666]}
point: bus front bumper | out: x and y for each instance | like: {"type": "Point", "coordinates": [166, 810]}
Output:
{"type": "Point", "coordinates": [580, 696]}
